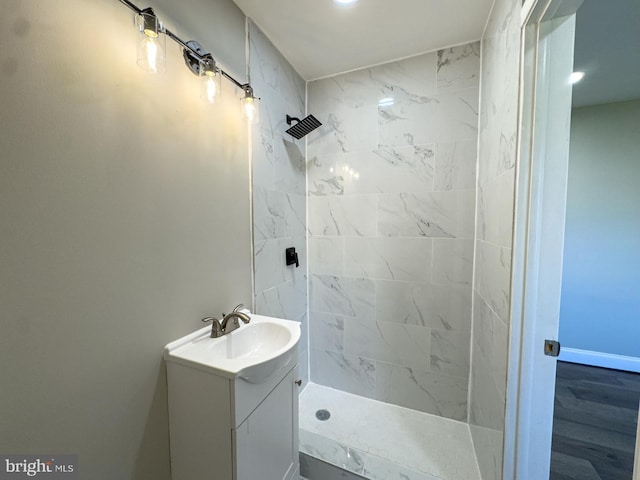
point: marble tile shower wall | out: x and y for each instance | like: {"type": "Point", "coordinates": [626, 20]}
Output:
{"type": "Point", "coordinates": [496, 181]}
{"type": "Point", "coordinates": [279, 189]}
{"type": "Point", "coordinates": [391, 184]}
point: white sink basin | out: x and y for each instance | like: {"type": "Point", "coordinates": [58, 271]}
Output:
{"type": "Point", "coordinates": [252, 352]}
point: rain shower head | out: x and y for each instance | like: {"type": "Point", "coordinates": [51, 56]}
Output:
{"type": "Point", "coordinates": [303, 127]}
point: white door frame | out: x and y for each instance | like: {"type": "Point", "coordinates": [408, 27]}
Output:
{"type": "Point", "coordinates": [636, 468]}
{"type": "Point", "coordinates": [548, 33]}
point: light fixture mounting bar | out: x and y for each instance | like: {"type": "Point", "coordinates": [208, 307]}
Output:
{"type": "Point", "coordinates": [244, 86]}
{"type": "Point", "coordinates": [132, 6]}
{"type": "Point", "coordinates": [233, 80]}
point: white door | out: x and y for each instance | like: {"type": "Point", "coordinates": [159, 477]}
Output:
{"type": "Point", "coordinates": [548, 36]}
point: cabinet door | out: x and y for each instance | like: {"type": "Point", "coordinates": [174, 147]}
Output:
{"type": "Point", "coordinates": [267, 442]}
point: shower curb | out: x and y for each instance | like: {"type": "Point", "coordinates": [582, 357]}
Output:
{"type": "Point", "coordinates": [312, 468]}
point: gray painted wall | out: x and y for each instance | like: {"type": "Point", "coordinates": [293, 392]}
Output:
{"type": "Point", "coordinates": [218, 25]}
{"type": "Point", "coordinates": [600, 304]}
{"type": "Point", "coordinates": [124, 208]}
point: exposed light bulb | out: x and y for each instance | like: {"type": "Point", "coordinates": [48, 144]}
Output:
{"type": "Point", "coordinates": [151, 43]}
{"type": "Point", "coordinates": [250, 109]}
{"type": "Point", "coordinates": [250, 105]}
{"type": "Point", "coordinates": [575, 77]}
{"type": "Point", "coordinates": [210, 88]}
{"type": "Point", "coordinates": [210, 78]}
{"type": "Point", "coordinates": [152, 53]}
{"type": "Point", "coordinates": [151, 32]}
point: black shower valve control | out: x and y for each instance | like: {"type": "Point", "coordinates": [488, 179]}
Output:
{"type": "Point", "coordinates": [291, 257]}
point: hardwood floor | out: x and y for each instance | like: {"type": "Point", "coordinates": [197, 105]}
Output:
{"type": "Point", "coordinates": [594, 423]}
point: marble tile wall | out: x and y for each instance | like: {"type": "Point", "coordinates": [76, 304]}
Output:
{"type": "Point", "coordinates": [391, 180]}
{"type": "Point", "coordinates": [279, 189]}
{"type": "Point", "coordinates": [491, 285]}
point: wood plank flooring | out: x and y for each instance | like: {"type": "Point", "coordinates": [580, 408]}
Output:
{"type": "Point", "coordinates": [594, 423]}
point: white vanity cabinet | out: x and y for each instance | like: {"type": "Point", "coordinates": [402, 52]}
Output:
{"type": "Point", "coordinates": [266, 443]}
{"type": "Point", "coordinates": [233, 403]}
{"type": "Point", "coordinates": [224, 429]}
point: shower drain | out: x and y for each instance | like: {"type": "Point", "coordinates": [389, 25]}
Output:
{"type": "Point", "coordinates": [323, 415]}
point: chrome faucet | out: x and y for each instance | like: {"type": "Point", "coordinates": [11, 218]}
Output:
{"type": "Point", "coordinates": [222, 327]}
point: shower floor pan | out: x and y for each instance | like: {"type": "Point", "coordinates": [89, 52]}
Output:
{"type": "Point", "coordinates": [380, 441]}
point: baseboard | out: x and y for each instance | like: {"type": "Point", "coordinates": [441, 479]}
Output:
{"type": "Point", "coordinates": [598, 359]}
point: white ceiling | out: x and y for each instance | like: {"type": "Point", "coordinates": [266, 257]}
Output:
{"type": "Point", "coordinates": [321, 38]}
{"type": "Point", "coordinates": [607, 49]}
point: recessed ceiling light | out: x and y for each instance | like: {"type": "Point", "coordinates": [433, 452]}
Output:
{"type": "Point", "coordinates": [575, 77]}
{"type": "Point", "coordinates": [345, 2]}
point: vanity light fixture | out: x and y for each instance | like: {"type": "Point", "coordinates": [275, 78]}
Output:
{"type": "Point", "coordinates": [211, 85]}
{"type": "Point", "coordinates": [575, 77]}
{"type": "Point", "coordinates": [151, 42]}
{"type": "Point", "coordinates": [345, 2]}
{"type": "Point", "coordinates": [250, 104]}
{"type": "Point", "coordinates": [152, 58]}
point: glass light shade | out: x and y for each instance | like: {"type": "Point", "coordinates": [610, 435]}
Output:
{"type": "Point", "coordinates": [152, 43]}
{"type": "Point", "coordinates": [250, 109]}
{"type": "Point", "coordinates": [211, 85]}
